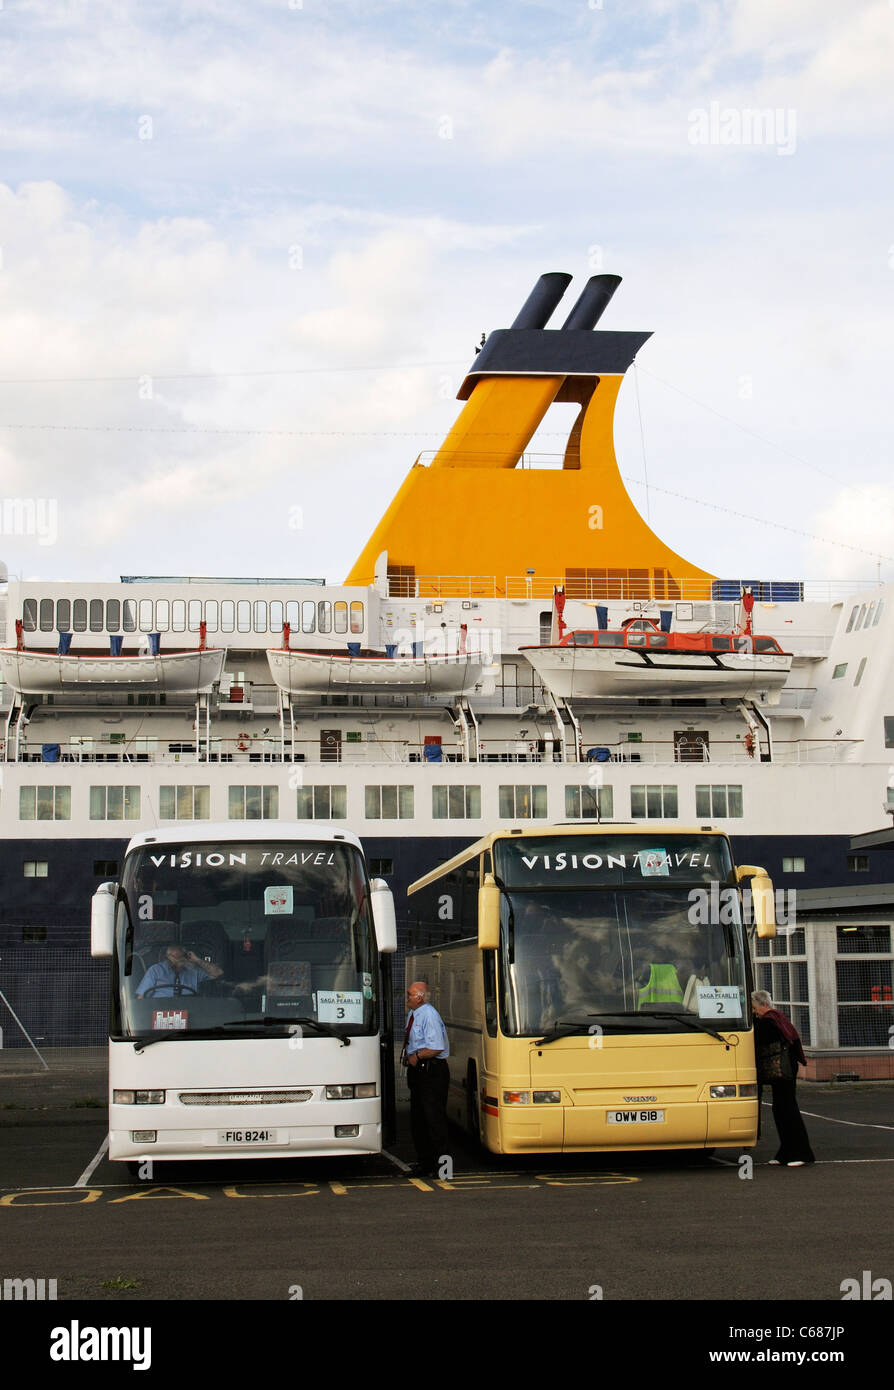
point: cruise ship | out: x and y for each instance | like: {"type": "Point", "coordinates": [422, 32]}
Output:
{"type": "Point", "coordinates": [512, 644]}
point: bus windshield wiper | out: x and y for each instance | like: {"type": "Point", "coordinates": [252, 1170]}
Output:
{"type": "Point", "coordinates": [687, 1019]}
{"type": "Point", "coordinates": [568, 1028]}
{"type": "Point", "coordinates": [221, 1030]}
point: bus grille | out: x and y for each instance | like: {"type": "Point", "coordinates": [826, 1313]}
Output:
{"type": "Point", "coordinates": [242, 1097]}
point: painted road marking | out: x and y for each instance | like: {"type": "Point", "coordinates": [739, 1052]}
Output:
{"type": "Point", "coordinates": [82, 1195]}
{"type": "Point", "coordinates": [88, 1171]}
{"type": "Point", "coordinates": [398, 1162]}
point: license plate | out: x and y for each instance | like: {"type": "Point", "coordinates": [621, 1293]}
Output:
{"type": "Point", "coordinates": [246, 1136]}
{"type": "Point", "coordinates": [635, 1117]}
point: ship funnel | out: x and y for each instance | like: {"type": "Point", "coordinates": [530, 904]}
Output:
{"type": "Point", "coordinates": [593, 301]}
{"type": "Point", "coordinates": [542, 300]}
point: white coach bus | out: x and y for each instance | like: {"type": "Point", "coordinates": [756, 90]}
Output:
{"type": "Point", "coordinates": [249, 994]}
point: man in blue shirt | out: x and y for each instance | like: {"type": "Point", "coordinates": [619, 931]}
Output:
{"type": "Point", "coordinates": [426, 1050]}
{"type": "Point", "coordinates": [181, 972]}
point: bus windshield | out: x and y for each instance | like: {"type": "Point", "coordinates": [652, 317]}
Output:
{"type": "Point", "coordinates": [619, 934]}
{"type": "Point", "coordinates": [241, 937]}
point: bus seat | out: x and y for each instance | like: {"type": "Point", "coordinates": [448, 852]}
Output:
{"type": "Point", "coordinates": [207, 938]}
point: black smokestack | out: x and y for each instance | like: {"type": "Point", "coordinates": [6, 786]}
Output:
{"type": "Point", "coordinates": [593, 301]}
{"type": "Point", "coordinates": [542, 300]}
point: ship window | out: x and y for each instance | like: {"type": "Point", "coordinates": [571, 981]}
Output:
{"type": "Point", "coordinates": [162, 615]}
{"type": "Point", "coordinates": [878, 612]}
{"type": "Point", "coordinates": [766, 644]}
{"type": "Point", "coordinates": [868, 622]}
{"type": "Point", "coordinates": [63, 615]}
{"type": "Point", "coordinates": [184, 803]}
{"type": "Point", "coordinates": [389, 803]}
{"type": "Point", "coordinates": [113, 615]}
{"type": "Point", "coordinates": [456, 803]}
{"type": "Point", "coordinates": [794, 865]}
{"type": "Point", "coordinates": [46, 615]}
{"type": "Point", "coordinates": [860, 669]}
{"type": "Point", "coordinates": [719, 644]}
{"type": "Point", "coordinates": [889, 731]}
{"type": "Point", "coordinates": [35, 868]}
{"type": "Point", "coordinates": [44, 803]}
{"type": "Point", "coordinates": [588, 803]}
{"type": "Point", "coordinates": [227, 615]}
{"type": "Point", "coordinates": [147, 614]}
{"type": "Point", "coordinates": [129, 610]}
{"type": "Point", "coordinates": [718, 801]}
{"type": "Point", "coordinates": [96, 615]}
{"type": "Point", "coordinates": [29, 615]}
{"type": "Point", "coordinates": [636, 639]}
{"type": "Point", "coordinates": [79, 615]}
{"type": "Point", "coordinates": [850, 621]}
{"type": "Point", "coordinates": [584, 639]}
{"type": "Point", "coordinates": [341, 617]}
{"type": "Point", "coordinates": [276, 616]}
{"type": "Point", "coordinates": [308, 616]}
{"type": "Point", "coordinates": [253, 803]}
{"type": "Point", "coordinates": [653, 802]}
{"type": "Point", "coordinates": [523, 803]}
{"type": "Point", "coordinates": [260, 615]}
{"type": "Point", "coordinates": [212, 610]}
{"type": "Point", "coordinates": [858, 863]}
{"type": "Point", "coordinates": [324, 614]}
{"type": "Point", "coordinates": [357, 617]}
{"type": "Point", "coordinates": [839, 671]}
{"type": "Point", "coordinates": [322, 803]}
{"type": "Point", "coordinates": [861, 617]}
{"type": "Point", "coordinates": [658, 639]}
{"type": "Point", "coordinates": [243, 615]}
{"type": "Point", "coordinates": [114, 803]}
{"type": "Point", "coordinates": [194, 609]}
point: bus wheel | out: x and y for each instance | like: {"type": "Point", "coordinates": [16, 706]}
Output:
{"type": "Point", "coordinates": [473, 1121]}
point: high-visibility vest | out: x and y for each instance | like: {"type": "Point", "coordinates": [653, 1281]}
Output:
{"type": "Point", "coordinates": [662, 987]}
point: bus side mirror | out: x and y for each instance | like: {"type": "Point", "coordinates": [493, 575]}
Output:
{"type": "Point", "coordinates": [762, 899]}
{"type": "Point", "coordinates": [488, 915]}
{"type": "Point", "coordinates": [383, 916]}
{"type": "Point", "coordinates": [102, 920]}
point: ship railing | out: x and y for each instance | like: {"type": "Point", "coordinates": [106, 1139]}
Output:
{"type": "Point", "coordinates": [603, 588]}
{"type": "Point", "coordinates": [255, 749]}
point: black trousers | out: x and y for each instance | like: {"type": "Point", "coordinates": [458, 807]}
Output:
{"type": "Point", "coordinates": [793, 1141]}
{"type": "Point", "coordinates": [428, 1082]}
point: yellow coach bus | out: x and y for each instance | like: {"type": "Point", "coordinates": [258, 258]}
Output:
{"type": "Point", "coordinates": [596, 986]}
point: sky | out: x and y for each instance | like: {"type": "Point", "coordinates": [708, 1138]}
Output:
{"type": "Point", "coordinates": [247, 251]}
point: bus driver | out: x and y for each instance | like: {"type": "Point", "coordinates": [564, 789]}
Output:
{"type": "Point", "coordinates": [180, 972]}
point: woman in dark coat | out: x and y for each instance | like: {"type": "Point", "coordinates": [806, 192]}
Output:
{"type": "Point", "coordinates": [771, 1026]}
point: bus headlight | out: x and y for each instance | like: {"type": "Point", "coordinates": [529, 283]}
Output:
{"type": "Point", "coordinates": [364, 1090]}
{"type": "Point", "coordinates": [723, 1092]}
{"type": "Point", "coordinates": [138, 1097]}
{"type": "Point", "coordinates": [516, 1097]}
{"type": "Point", "coordinates": [547, 1097]}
